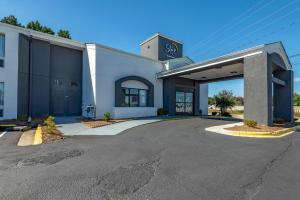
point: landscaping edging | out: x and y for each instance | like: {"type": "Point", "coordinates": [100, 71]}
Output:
{"type": "Point", "coordinates": [275, 134]}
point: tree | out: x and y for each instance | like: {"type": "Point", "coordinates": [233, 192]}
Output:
{"type": "Point", "coordinates": [239, 101]}
{"type": "Point", "coordinates": [296, 99]}
{"type": "Point", "coordinates": [64, 34]}
{"type": "Point", "coordinates": [224, 100]}
{"type": "Point", "coordinates": [48, 30]}
{"type": "Point", "coordinates": [36, 26]}
{"type": "Point", "coordinates": [211, 101]}
{"type": "Point", "coordinates": [12, 20]}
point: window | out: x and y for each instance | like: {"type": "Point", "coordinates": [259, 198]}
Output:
{"type": "Point", "coordinates": [2, 49]}
{"type": "Point", "coordinates": [184, 102]}
{"type": "Point", "coordinates": [1, 98]}
{"type": "Point", "coordinates": [132, 97]}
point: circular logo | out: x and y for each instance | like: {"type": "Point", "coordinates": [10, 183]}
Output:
{"type": "Point", "coordinates": [171, 49]}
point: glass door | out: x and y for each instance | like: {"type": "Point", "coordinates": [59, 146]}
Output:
{"type": "Point", "coordinates": [184, 102]}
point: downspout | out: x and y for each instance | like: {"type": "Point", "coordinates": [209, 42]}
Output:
{"type": "Point", "coordinates": [30, 80]}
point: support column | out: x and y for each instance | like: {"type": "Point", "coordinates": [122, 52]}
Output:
{"type": "Point", "coordinates": [203, 98]}
{"type": "Point", "coordinates": [283, 96]}
{"type": "Point", "coordinates": [258, 89]}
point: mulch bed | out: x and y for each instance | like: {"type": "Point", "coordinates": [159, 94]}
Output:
{"type": "Point", "coordinates": [99, 123]}
{"type": "Point", "coordinates": [51, 137]}
{"type": "Point", "coordinates": [263, 128]}
{"type": "Point", "coordinates": [258, 128]}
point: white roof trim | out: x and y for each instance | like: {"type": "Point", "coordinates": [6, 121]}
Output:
{"type": "Point", "coordinates": [122, 51]}
{"type": "Point", "coordinates": [191, 68]}
{"type": "Point", "coordinates": [44, 36]}
{"type": "Point", "coordinates": [162, 35]}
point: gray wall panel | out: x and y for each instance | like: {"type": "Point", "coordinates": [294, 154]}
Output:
{"type": "Point", "coordinates": [170, 85]}
{"type": "Point", "coordinates": [40, 78]}
{"type": "Point", "coordinates": [23, 75]}
{"type": "Point", "coordinates": [258, 89]}
{"type": "Point", "coordinates": [66, 67]}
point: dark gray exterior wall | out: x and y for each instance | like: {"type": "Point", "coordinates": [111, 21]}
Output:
{"type": "Point", "coordinates": [66, 67]}
{"type": "Point", "coordinates": [258, 89]}
{"type": "Point", "coordinates": [48, 62]}
{"type": "Point", "coordinates": [40, 55]}
{"type": "Point", "coordinates": [170, 85]}
{"type": "Point", "coordinates": [40, 59]}
{"type": "Point", "coordinates": [156, 49]}
{"type": "Point", "coordinates": [23, 71]}
{"type": "Point", "coordinates": [283, 96]}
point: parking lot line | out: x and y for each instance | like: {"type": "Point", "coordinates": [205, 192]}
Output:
{"type": "Point", "coordinates": [3, 133]}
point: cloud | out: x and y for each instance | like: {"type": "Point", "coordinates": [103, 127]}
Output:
{"type": "Point", "coordinates": [297, 79]}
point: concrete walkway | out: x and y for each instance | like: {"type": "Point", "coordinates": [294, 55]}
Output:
{"type": "Point", "coordinates": [71, 126]}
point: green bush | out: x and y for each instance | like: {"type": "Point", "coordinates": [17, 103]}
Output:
{"type": "Point", "coordinates": [106, 116]}
{"type": "Point", "coordinates": [22, 117]}
{"type": "Point", "coordinates": [279, 120]}
{"type": "Point", "coordinates": [214, 113]}
{"type": "Point", "coordinates": [226, 114]}
{"type": "Point", "coordinates": [50, 124]}
{"type": "Point", "coordinates": [250, 122]}
{"type": "Point", "coordinates": [161, 111]}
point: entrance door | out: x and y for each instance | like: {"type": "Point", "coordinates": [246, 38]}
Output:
{"type": "Point", "coordinates": [184, 102]}
{"type": "Point", "coordinates": [65, 98]}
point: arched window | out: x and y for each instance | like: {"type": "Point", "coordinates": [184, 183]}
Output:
{"type": "Point", "coordinates": [134, 91]}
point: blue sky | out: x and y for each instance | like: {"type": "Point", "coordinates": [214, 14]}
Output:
{"type": "Point", "coordinates": [207, 28]}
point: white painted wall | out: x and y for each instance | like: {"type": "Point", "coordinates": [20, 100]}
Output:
{"type": "Point", "coordinates": [129, 112]}
{"type": "Point", "coordinates": [111, 65]}
{"type": "Point", "coordinates": [88, 79]}
{"type": "Point", "coordinates": [9, 74]}
{"type": "Point", "coordinates": [203, 98]}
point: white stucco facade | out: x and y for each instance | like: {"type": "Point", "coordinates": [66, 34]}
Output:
{"type": "Point", "coordinates": [102, 66]}
{"type": "Point", "coordinates": [9, 73]}
{"type": "Point", "coordinates": [105, 66]}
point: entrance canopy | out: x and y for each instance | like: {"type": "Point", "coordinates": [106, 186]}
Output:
{"type": "Point", "coordinates": [229, 66]}
{"type": "Point", "coordinates": [268, 79]}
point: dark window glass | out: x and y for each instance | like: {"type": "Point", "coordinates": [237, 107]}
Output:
{"type": "Point", "coordinates": [134, 101]}
{"type": "Point", "coordinates": [184, 102]}
{"type": "Point", "coordinates": [1, 62]}
{"type": "Point", "coordinates": [143, 98]}
{"type": "Point", "coordinates": [134, 92]}
{"type": "Point", "coordinates": [132, 97]}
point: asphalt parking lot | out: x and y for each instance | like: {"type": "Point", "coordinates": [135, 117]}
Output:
{"type": "Point", "coordinates": [175, 159]}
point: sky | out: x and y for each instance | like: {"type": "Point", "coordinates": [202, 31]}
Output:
{"type": "Point", "coordinates": [207, 28]}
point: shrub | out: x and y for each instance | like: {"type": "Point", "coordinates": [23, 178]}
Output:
{"type": "Point", "coordinates": [250, 122]}
{"type": "Point", "coordinates": [226, 114]}
{"type": "Point", "coordinates": [50, 124]}
{"type": "Point", "coordinates": [279, 121]}
{"type": "Point", "coordinates": [22, 117]}
{"type": "Point", "coordinates": [161, 111]}
{"type": "Point", "coordinates": [106, 116]}
{"type": "Point", "coordinates": [214, 113]}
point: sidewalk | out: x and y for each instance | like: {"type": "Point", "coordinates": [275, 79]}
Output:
{"type": "Point", "coordinates": [70, 127]}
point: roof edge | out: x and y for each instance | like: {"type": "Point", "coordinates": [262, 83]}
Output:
{"type": "Point", "coordinates": [161, 35]}
{"type": "Point", "coordinates": [45, 36]}
{"type": "Point", "coordinates": [122, 51]}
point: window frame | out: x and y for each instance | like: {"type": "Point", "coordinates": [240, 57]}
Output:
{"type": "Point", "coordinates": [3, 57]}
{"type": "Point", "coordinates": [124, 95]}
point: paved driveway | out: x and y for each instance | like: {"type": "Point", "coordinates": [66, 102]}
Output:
{"type": "Point", "coordinates": [173, 159]}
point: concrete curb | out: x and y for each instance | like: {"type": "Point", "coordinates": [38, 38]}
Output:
{"type": "Point", "coordinates": [38, 136]}
{"type": "Point", "coordinates": [276, 134]}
